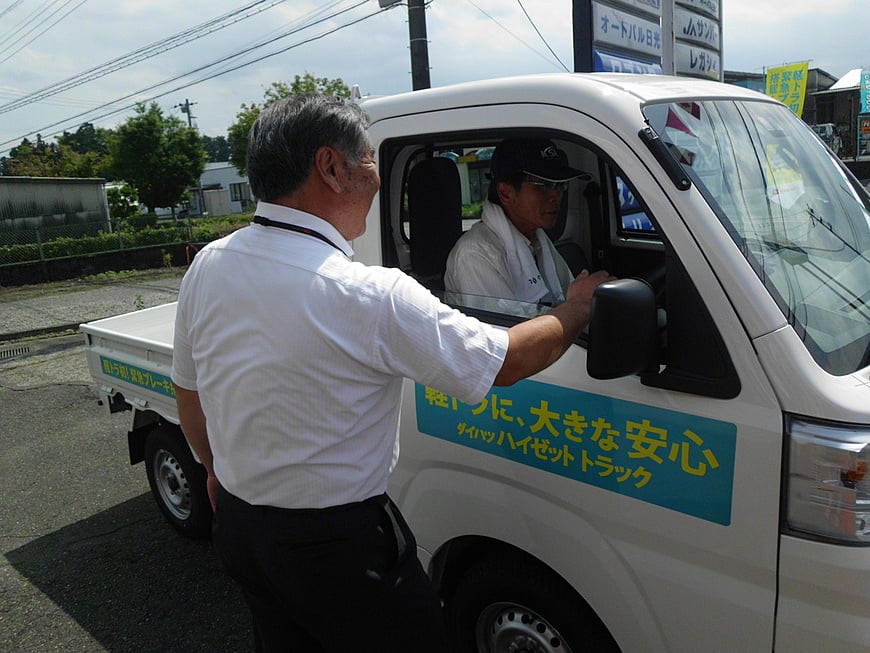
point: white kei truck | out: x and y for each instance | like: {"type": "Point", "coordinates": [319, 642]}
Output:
{"type": "Point", "coordinates": [694, 473]}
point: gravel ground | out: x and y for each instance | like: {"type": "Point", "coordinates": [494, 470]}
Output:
{"type": "Point", "coordinates": [29, 311]}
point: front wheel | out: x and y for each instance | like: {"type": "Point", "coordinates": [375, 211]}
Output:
{"type": "Point", "coordinates": [177, 482]}
{"type": "Point", "coordinates": [503, 606]}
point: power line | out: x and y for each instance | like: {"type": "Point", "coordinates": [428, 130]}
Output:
{"type": "Point", "coordinates": [202, 68]}
{"type": "Point", "coordinates": [48, 27]}
{"type": "Point", "coordinates": [493, 19]}
{"type": "Point", "coordinates": [32, 16]}
{"type": "Point", "coordinates": [141, 54]}
{"type": "Point", "coordinates": [520, 3]}
{"type": "Point", "coordinates": [3, 12]}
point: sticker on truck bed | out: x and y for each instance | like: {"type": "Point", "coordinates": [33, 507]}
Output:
{"type": "Point", "coordinates": [675, 460]}
{"type": "Point", "coordinates": [138, 376]}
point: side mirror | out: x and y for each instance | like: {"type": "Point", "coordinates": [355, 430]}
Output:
{"type": "Point", "coordinates": [623, 331]}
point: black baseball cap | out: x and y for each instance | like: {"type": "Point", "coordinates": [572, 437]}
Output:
{"type": "Point", "coordinates": [534, 156]}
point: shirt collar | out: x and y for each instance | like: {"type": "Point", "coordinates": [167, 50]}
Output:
{"type": "Point", "coordinates": [285, 214]}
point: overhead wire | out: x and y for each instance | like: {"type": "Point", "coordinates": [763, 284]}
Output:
{"type": "Point", "coordinates": [146, 52]}
{"type": "Point", "coordinates": [32, 16]}
{"type": "Point", "coordinates": [70, 120]}
{"type": "Point", "coordinates": [535, 27]}
{"type": "Point", "coordinates": [12, 6]}
{"type": "Point", "coordinates": [269, 37]}
{"type": "Point", "coordinates": [493, 19]}
{"type": "Point", "coordinates": [44, 30]}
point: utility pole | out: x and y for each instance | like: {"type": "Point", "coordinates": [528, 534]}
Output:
{"type": "Point", "coordinates": [582, 35]}
{"type": "Point", "coordinates": [200, 198]}
{"type": "Point", "coordinates": [418, 39]}
{"type": "Point", "coordinates": [185, 108]}
{"type": "Point", "coordinates": [419, 45]}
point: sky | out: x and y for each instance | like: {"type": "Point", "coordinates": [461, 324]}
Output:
{"type": "Point", "coordinates": [50, 44]}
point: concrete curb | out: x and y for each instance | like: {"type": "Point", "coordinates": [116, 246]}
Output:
{"type": "Point", "coordinates": [37, 333]}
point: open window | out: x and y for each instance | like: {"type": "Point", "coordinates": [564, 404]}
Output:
{"type": "Point", "coordinates": [433, 192]}
{"type": "Point", "coordinates": [444, 183]}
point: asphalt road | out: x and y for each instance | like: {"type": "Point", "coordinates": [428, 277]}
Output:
{"type": "Point", "coordinates": [88, 564]}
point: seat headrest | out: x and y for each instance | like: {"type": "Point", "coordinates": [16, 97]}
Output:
{"type": "Point", "coordinates": [435, 214]}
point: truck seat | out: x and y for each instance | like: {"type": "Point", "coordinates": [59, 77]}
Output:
{"type": "Point", "coordinates": [435, 217]}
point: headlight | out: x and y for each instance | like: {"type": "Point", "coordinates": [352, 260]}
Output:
{"type": "Point", "coordinates": [828, 482]}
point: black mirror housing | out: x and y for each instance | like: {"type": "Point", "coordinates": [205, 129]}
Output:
{"type": "Point", "coordinates": [623, 330]}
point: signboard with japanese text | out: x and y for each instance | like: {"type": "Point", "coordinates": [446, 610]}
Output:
{"type": "Point", "coordinates": [626, 31]}
{"type": "Point", "coordinates": [696, 28]}
{"type": "Point", "coordinates": [671, 459]}
{"type": "Point", "coordinates": [604, 62]}
{"type": "Point", "coordinates": [863, 135]}
{"type": "Point", "coordinates": [788, 84]}
{"type": "Point", "coordinates": [682, 37]}
{"type": "Point", "coordinates": [865, 90]}
{"type": "Point", "coordinates": [696, 61]}
{"type": "Point", "coordinates": [653, 7]}
{"type": "Point", "coordinates": [709, 7]}
{"type": "Point", "coordinates": [147, 379]}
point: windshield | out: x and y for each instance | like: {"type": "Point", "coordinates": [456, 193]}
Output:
{"type": "Point", "coordinates": [792, 209]}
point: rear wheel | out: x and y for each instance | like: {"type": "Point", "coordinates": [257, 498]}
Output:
{"type": "Point", "coordinates": [177, 482]}
{"type": "Point", "coordinates": [514, 606]}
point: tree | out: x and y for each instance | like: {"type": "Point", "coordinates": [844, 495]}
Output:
{"type": "Point", "coordinates": [237, 134]}
{"type": "Point", "coordinates": [82, 154]}
{"type": "Point", "coordinates": [33, 159]}
{"type": "Point", "coordinates": [123, 202]}
{"type": "Point", "coordinates": [87, 138]}
{"type": "Point", "coordinates": [160, 156]}
{"type": "Point", "coordinates": [216, 147]}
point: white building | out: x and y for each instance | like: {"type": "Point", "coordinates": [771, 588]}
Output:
{"type": "Point", "coordinates": [224, 191]}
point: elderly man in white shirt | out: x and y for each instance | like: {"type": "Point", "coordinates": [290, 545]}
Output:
{"type": "Point", "coordinates": [508, 255]}
{"type": "Point", "coordinates": [288, 364]}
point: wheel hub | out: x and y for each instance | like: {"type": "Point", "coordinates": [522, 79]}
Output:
{"type": "Point", "coordinates": [512, 628]}
{"type": "Point", "coordinates": [172, 484]}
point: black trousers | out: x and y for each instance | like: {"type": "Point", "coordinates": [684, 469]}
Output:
{"type": "Point", "coordinates": [337, 580]}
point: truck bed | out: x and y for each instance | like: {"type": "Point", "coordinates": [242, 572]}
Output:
{"type": "Point", "coordinates": [131, 355]}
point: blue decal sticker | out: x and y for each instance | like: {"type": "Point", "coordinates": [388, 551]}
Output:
{"type": "Point", "coordinates": [675, 460]}
{"type": "Point", "coordinates": [138, 376]}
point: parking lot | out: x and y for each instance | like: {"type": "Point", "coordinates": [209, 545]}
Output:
{"type": "Point", "coordinates": [88, 564]}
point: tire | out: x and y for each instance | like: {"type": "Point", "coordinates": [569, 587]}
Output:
{"type": "Point", "coordinates": [177, 482]}
{"type": "Point", "coordinates": [505, 605]}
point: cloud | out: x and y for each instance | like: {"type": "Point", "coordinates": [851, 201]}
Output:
{"type": "Point", "coordinates": [759, 34]}
{"type": "Point", "coordinates": [777, 12]}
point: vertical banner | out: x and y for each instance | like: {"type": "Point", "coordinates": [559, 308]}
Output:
{"type": "Point", "coordinates": [788, 84]}
{"type": "Point", "coordinates": [863, 147]}
{"type": "Point", "coordinates": [865, 90]}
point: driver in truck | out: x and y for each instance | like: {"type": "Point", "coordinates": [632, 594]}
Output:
{"type": "Point", "coordinates": [288, 363]}
{"type": "Point", "coordinates": [508, 254]}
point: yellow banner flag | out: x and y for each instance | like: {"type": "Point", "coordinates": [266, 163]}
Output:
{"type": "Point", "coordinates": [788, 84]}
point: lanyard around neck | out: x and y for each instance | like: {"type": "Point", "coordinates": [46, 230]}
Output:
{"type": "Point", "coordinates": [266, 222]}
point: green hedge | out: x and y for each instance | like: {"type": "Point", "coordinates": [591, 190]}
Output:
{"type": "Point", "coordinates": [473, 210]}
{"type": "Point", "coordinates": [203, 230]}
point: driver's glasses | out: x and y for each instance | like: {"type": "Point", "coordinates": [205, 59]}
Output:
{"type": "Point", "coordinates": [545, 185]}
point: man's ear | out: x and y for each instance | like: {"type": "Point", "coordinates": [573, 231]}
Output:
{"type": "Point", "coordinates": [328, 166]}
{"type": "Point", "coordinates": [505, 192]}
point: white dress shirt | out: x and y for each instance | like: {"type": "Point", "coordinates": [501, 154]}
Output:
{"type": "Point", "coordinates": [298, 355]}
{"type": "Point", "coordinates": [493, 259]}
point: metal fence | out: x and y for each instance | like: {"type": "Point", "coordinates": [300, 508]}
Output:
{"type": "Point", "coordinates": [53, 242]}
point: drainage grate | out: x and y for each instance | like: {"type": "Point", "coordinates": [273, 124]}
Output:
{"type": "Point", "coordinates": [15, 351]}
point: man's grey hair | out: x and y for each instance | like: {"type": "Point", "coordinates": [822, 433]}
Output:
{"type": "Point", "coordinates": [287, 134]}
